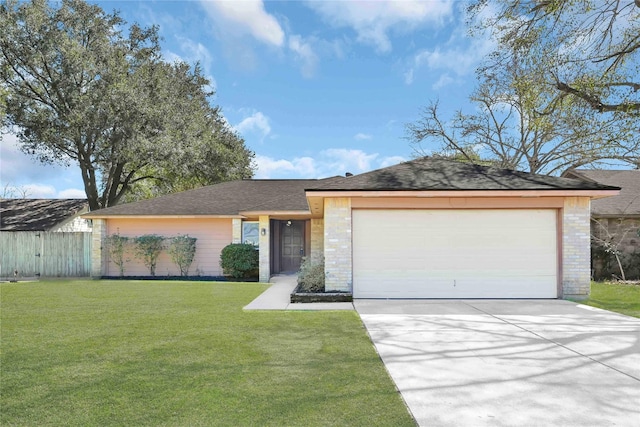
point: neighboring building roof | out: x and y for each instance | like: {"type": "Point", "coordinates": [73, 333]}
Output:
{"type": "Point", "coordinates": [627, 203]}
{"type": "Point", "coordinates": [38, 214]}
{"type": "Point", "coordinates": [232, 198]}
{"type": "Point", "coordinates": [448, 175]}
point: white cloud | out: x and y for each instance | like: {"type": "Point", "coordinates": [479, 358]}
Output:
{"type": "Point", "coordinates": [42, 191]}
{"type": "Point", "coordinates": [238, 23]}
{"type": "Point", "coordinates": [304, 54]}
{"type": "Point", "coordinates": [72, 193]}
{"type": "Point", "coordinates": [459, 60]}
{"type": "Point", "coordinates": [257, 124]}
{"type": "Point", "coordinates": [172, 57]}
{"type": "Point", "coordinates": [307, 51]}
{"type": "Point", "coordinates": [361, 136]}
{"type": "Point", "coordinates": [17, 168]}
{"type": "Point", "coordinates": [247, 17]}
{"type": "Point", "coordinates": [343, 160]}
{"type": "Point", "coordinates": [374, 20]}
{"type": "Point", "coordinates": [39, 191]}
{"type": "Point", "coordinates": [408, 76]}
{"type": "Point", "coordinates": [330, 162]}
{"type": "Point", "coordinates": [459, 56]}
{"type": "Point", "coordinates": [443, 81]}
{"type": "Point", "coordinates": [196, 51]}
{"type": "Point", "coordinates": [392, 160]}
{"type": "Point", "coordinates": [300, 167]}
{"type": "Point", "coordinates": [193, 52]}
{"type": "Point", "coordinates": [25, 174]}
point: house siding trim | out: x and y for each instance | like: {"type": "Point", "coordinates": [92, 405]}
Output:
{"type": "Point", "coordinates": [96, 214]}
{"type": "Point", "coordinates": [455, 199]}
{"type": "Point", "coordinates": [463, 193]}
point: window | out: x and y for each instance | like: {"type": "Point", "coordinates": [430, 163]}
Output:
{"type": "Point", "coordinates": [251, 233]}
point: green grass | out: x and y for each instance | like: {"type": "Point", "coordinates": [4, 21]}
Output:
{"type": "Point", "coordinates": [618, 297]}
{"type": "Point", "coordinates": [131, 353]}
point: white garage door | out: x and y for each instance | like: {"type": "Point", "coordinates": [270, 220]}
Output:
{"type": "Point", "coordinates": [454, 253]}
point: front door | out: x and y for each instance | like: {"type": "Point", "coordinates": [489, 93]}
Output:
{"type": "Point", "coordinates": [291, 245]}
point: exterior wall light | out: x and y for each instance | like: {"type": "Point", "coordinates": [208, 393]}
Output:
{"type": "Point", "coordinates": [263, 231]}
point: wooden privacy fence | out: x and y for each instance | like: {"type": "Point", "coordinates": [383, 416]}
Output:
{"type": "Point", "coordinates": [45, 254]}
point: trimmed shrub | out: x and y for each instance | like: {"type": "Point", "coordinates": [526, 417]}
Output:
{"type": "Point", "coordinates": [311, 276]}
{"type": "Point", "coordinates": [239, 261]}
{"type": "Point", "coordinates": [182, 250]}
{"type": "Point", "coordinates": [148, 248]}
{"type": "Point", "coordinates": [117, 247]}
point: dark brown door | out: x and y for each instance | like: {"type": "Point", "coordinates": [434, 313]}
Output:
{"type": "Point", "coordinates": [291, 245]}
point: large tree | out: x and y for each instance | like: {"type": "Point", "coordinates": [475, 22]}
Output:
{"type": "Point", "coordinates": [514, 124]}
{"type": "Point", "coordinates": [559, 91]}
{"type": "Point", "coordinates": [80, 90]}
{"type": "Point", "coordinates": [586, 49]}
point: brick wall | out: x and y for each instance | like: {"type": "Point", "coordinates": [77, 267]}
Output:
{"type": "Point", "coordinates": [75, 225]}
{"type": "Point", "coordinates": [317, 239]}
{"type": "Point", "coordinates": [576, 253]}
{"type": "Point", "coordinates": [265, 249]}
{"type": "Point", "coordinates": [337, 244]}
{"type": "Point", "coordinates": [99, 234]}
{"type": "Point", "coordinates": [236, 230]}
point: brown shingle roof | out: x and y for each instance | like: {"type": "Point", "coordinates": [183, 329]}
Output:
{"type": "Point", "coordinates": [232, 198]}
{"type": "Point", "coordinates": [37, 214]}
{"type": "Point", "coordinates": [627, 203]}
{"type": "Point", "coordinates": [227, 198]}
{"type": "Point", "coordinates": [448, 175]}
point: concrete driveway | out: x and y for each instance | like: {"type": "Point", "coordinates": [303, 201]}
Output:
{"type": "Point", "coordinates": [509, 362]}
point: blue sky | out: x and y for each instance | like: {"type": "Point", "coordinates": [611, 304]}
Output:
{"type": "Point", "coordinates": [316, 88]}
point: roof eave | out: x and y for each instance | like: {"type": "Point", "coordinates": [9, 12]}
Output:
{"type": "Point", "coordinates": [97, 215]}
{"type": "Point", "coordinates": [593, 193]}
{"type": "Point", "coordinates": [316, 198]}
{"type": "Point", "coordinates": [278, 214]}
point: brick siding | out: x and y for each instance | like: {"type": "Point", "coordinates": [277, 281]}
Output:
{"type": "Point", "coordinates": [236, 230]}
{"type": "Point", "coordinates": [337, 244]}
{"type": "Point", "coordinates": [576, 277]}
{"type": "Point", "coordinates": [98, 237]}
{"type": "Point", "coordinates": [265, 249]}
{"type": "Point", "coordinates": [317, 239]}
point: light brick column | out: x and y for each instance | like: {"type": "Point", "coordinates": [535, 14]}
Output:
{"type": "Point", "coordinates": [576, 248]}
{"type": "Point", "coordinates": [317, 240]}
{"type": "Point", "coordinates": [265, 249]}
{"type": "Point", "coordinates": [236, 230]}
{"type": "Point", "coordinates": [98, 256]}
{"type": "Point", "coordinates": [337, 244]}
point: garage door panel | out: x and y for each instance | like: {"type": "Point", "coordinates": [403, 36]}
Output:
{"type": "Point", "coordinates": [454, 254]}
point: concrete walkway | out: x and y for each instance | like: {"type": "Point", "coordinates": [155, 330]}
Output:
{"type": "Point", "coordinates": [277, 297]}
{"type": "Point", "coordinates": [509, 362]}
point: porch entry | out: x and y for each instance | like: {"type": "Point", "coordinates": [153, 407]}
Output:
{"type": "Point", "coordinates": [289, 245]}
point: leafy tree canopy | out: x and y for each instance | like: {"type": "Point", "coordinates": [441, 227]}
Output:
{"type": "Point", "coordinates": [587, 49]}
{"type": "Point", "coordinates": [79, 90]}
{"type": "Point", "coordinates": [557, 93]}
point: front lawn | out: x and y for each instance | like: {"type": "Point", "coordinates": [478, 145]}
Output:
{"type": "Point", "coordinates": [619, 297]}
{"type": "Point", "coordinates": [183, 354]}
